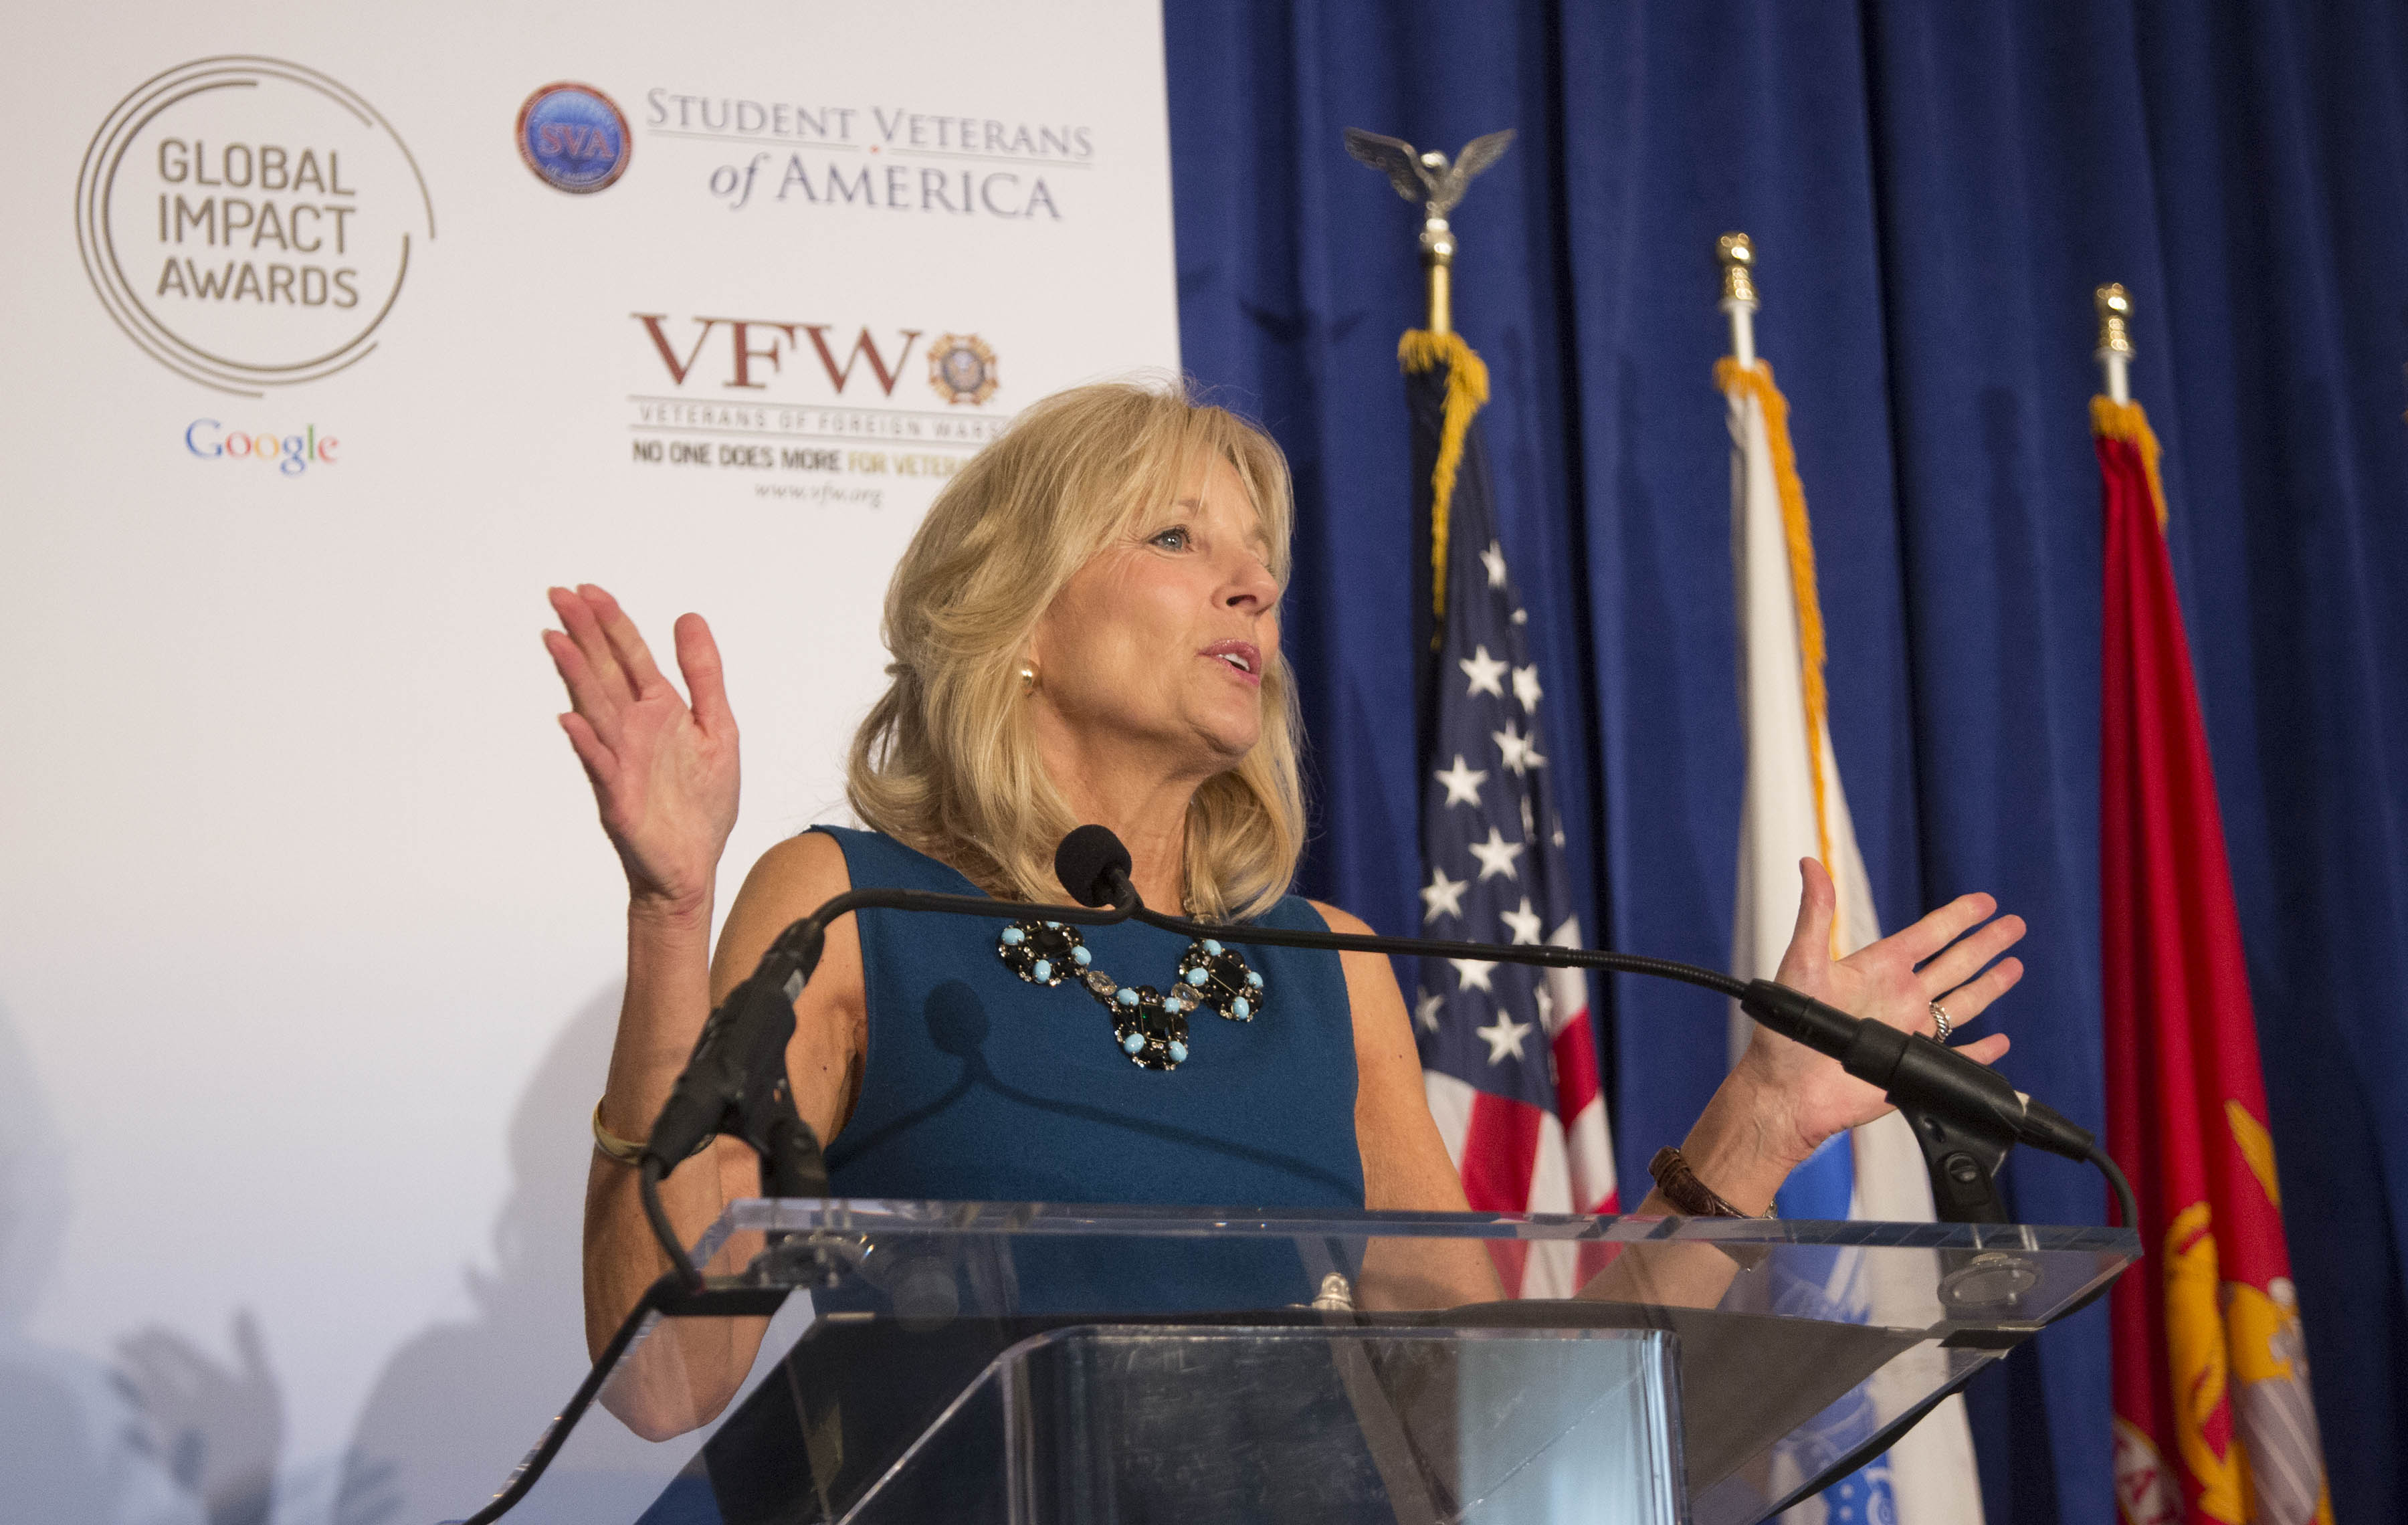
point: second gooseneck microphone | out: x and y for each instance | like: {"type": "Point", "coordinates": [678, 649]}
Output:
{"type": "Point", "coordinates": [1913, 1070]}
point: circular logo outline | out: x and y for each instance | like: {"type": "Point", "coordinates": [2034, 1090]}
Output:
{"type": "Point", "coordinates": [527, 157]}
{"type": "Point", "coordinates": [97, 178]}
{"type": "Point", "coordinates": [941, 353]}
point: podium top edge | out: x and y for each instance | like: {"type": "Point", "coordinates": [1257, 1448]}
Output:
{"type": "Point", "coordinates": [1138, 1221]}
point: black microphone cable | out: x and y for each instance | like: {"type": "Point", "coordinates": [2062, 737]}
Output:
{"type": "Point", "coordinates": [657, 1297]}
{"type": "Point", "coordinates": [2127, 1212]}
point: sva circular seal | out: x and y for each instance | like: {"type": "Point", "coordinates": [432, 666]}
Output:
{"type": "Point", "coordinates": [961, 368]}
{"type": "Point", "coordinates": [574, 137]}
{"type": "Point", "coordinates": [249, 222]}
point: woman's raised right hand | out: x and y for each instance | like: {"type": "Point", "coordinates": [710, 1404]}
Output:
{"type": "Point", "coordinates": [664, 772]}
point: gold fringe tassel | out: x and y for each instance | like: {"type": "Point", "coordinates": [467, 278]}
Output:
{"type": "Point", "coordinates": [2112, 420]}
{"type": "Point", "coordinates": [1466, 389]}
{"type": "Point", "coordinates": [1756, 382]}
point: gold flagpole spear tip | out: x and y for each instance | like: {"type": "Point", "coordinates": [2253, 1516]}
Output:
{"type": "Point", "coordinates": [2114, 320]}
{"type": "Point", "coordinates": [1738, 267]}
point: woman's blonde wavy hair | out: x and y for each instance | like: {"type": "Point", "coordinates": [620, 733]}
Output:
{"type": "Point", "coordinates": [946, 762]}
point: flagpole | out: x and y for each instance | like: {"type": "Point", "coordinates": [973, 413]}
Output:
{"type": "Point", "coordinates": [1738, 294]}
{"type": "Point", "coordinates": [2114, 351]}
{"type": "Point", "coordinates": [1437, 267]}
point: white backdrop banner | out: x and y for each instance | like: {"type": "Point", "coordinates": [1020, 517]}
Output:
{"type": "Point", "coordinates": [369, 324]}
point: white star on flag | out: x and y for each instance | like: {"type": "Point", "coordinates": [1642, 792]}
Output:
{"type": "Point", "coordinates": [1426, 1009]}
{"type": "Point", "coordinates": [1462, 782]}
{"type": "Point", "coordinates": [1504, 1038]}
{"type": "Point", "coordinates": [1496, 857]}
{"type": "Point", "coordinates": [1494, 559]}
{"type": "Point", "coordinates": [1473, 973]}
{"type": "Point", "coordinates": [1520, 752]}
{"type": "Point", "coordinates": [1486, 673]}
{"type": "Point", "coordinates": [1444, 895]}
{"type": "Point", "coordinates": [1525, 687]}
{"type": "Point", "coordinates": [1524, 923]}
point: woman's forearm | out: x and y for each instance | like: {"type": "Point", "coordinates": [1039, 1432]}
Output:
{"type": "Point", "coordinates": [696, 1364]}
{"type": "Point", "coordinates": [1740, 1147]}
{"type": "Point", "coordinates": [661, 1014]}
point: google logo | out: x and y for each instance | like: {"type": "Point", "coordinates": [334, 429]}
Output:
{"type": "Point", "coordinates": [291, 454]}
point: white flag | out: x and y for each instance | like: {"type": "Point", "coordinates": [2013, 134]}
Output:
{"type": "Point", "coordinates": [1795, 807]}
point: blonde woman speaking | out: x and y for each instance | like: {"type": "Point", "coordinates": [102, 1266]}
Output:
{"type": "Point", "coordinates": [1085, 628]}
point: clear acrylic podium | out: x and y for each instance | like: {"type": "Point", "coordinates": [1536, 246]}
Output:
{"type": "Point", "coordinates": [1032, 1364]}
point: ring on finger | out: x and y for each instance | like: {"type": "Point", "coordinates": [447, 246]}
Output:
{"type": "Point", "coordinates": [1939, 1020]}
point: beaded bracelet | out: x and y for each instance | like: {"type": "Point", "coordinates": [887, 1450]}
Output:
{"type": "Point", "coordinates": [1684, 1190]}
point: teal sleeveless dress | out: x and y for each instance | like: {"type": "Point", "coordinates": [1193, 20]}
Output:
{"type": "Point", "coordinates": [981, 1086]}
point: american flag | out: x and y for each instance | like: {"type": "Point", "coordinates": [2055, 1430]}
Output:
{"type": "Point", "coordinates": [1508, 1053]}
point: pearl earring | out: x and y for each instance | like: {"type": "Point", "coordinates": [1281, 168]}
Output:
{"type": "Point", "coordinates": [1028, 677]}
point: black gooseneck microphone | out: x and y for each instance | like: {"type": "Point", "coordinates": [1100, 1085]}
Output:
{"type": "Point", "coordinates": [734, 1082]}
{"type": "Point", "coordinates": [1965, 1115]}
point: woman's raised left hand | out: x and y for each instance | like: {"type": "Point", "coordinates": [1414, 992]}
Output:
{"type": "Point", "coordinates": [1806, 1097]}
{"type": "Point", "coordinates": [665, 773]}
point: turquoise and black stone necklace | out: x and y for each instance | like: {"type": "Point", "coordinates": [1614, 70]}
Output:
{"type": "Point", "coordinates": [1149, 1025]}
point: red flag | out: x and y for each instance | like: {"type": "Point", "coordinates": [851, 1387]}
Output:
{"type": "Point", "coordinates": [2213, 1421]}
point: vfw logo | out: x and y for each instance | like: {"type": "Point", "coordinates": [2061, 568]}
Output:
{"type": "Point", "coordinates": [748, 355]}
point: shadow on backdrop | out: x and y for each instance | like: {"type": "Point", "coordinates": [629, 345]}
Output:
{"type": "Point", "coordinates": [458, 1407]}
{"type": "Point", "coordinates": [217, 1428]}
{"type": "Point", "coordinates": [169, 1437]}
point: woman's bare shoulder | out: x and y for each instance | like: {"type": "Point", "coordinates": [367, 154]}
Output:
{"type": "Point", "coordinates": [1341, 919]}
{"type": "Point", "coordinates": [1370, 978]}
{"type": "Point", "coordinates": [809, 862]}
{"type": "Point", "coordinates": [787, 882]}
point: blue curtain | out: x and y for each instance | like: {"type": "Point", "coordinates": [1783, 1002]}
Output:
{"type": "Point", "coordinates": [1933, 191]}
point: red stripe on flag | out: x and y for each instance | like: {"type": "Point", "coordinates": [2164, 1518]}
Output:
{"type": "Point", "coordinates": [1500, 1150]}
{"type": "Point", "coordinates": [1576, 1082]}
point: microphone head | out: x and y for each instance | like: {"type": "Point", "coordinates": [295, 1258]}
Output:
{"type": "Point", "coordinates": [1087, 861]}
